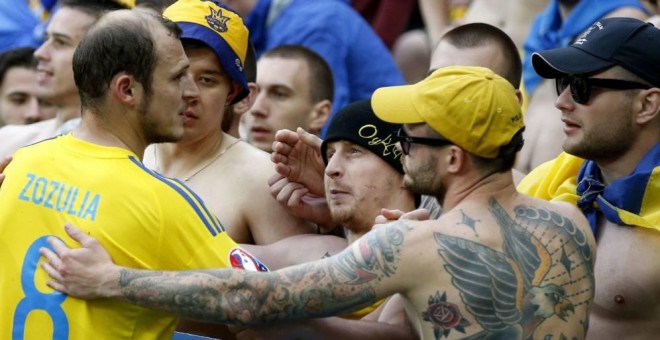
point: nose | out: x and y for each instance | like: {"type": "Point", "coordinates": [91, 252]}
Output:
{"type": "Point", "coordinates": [31, 113]}
{"type": "Point", "coordinates": [190, 89]}
{"type": "Point", "coordinates": [334, 169]}
{"type": "Point", "coordinates": [565, 100]}
{"type": "Point", "coordinates": [41, 53]}
{"type": "Point", "coordinates": [260, 106]}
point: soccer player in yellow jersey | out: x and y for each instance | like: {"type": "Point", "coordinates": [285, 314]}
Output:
{"type": "Point", "coordinates": [131, 71]}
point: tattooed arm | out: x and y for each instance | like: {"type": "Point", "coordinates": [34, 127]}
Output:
{"type": "Point", "coordinates": [353, 279]}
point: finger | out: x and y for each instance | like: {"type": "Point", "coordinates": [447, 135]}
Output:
{"type": "Point", "coordinates": [282, 148]}
{"type": "Point", "coordinates": [286, 192]}
{"type": "Point", "coordinates": [277, 157]}
{"type": "Point", "coordinates": [417, 215]}
{"type": "Point", "coordinates": [277, 187]}
{"type": "Point", "coordinates": [52, 271]}
{"type": "Point", "coordinates": [287, 137]}
{"type": "Point", "coordinates": [58, 245]}
{"type": "Point", "coordinates": [380, 219]}
{"type": "Point", "coordinates": [57, 286]}
{"type": "Point", "coordinates": [78, 235]}
{"type": "Point", "coordinates": [391, 214]}
{"type": "Point", "coordinates": [274, 178]}
{"type": "Point", "coordinates": [296, 196]}
{"type": "Point", "coordinates": [309, 139]}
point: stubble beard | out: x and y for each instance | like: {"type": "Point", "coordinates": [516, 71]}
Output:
{"type": "Point", "coordinates": [612, 141]}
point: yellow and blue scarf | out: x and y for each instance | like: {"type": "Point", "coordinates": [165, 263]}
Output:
{"type": "Point", "coordinates": [632, 200]}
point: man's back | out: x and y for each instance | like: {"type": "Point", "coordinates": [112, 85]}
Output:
{"type": "Point", "coordinates": [45, 187]}
{"type": "Point", "coordinates": [520, 268]}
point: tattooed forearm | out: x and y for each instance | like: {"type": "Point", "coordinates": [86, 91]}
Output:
{"type": "Point", "coordinates": [328, 287]}
{"type": "Point", "coordinates": [377, 254]}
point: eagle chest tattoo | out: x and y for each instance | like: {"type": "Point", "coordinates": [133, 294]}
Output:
{"type": "Point", "coordinates": [511, 292]}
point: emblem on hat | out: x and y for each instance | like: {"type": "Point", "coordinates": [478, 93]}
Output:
{"type": "Point", "coordinates": [217, 21]}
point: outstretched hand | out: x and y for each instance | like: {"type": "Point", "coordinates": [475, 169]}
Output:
{"type": "Point", "coordinates": [86, 272]}
{"type": "Point", "coordinates": [3, 165]}
{"type": "Point", "coordinates": [297, 156]}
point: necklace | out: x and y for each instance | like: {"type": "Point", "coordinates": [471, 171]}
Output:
{"type": "Point", "coordinates": [186, 179]}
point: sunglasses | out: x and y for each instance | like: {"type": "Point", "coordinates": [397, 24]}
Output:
{"type": "Point", "coordinates": [405, 141]}
{"type": "Point", "coordinates": [581, 86]}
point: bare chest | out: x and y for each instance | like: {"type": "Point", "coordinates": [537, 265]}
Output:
{"type": "Point", "coordinates": [627, 273]}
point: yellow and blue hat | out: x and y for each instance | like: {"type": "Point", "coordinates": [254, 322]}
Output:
{"type": "Point", "coordinates": [220, 28]}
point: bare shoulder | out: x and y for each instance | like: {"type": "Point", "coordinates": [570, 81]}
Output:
{"type": "Point", "coordinates": [14, 137]}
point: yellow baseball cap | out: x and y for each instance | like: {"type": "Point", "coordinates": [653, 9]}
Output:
{"type": "Point", "coordinates": [127, 3]}
{"type": "Point", "coordinates": [219, 27]}
{"type": "Point", "coordinates": [471, 106]}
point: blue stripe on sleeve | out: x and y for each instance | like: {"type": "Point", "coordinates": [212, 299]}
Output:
{"type": "Point", "coordinates": [211, 224]}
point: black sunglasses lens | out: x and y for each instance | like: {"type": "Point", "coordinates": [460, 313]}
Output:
{"type": "Point", "coordinates": [580, 90]}
{"type": "Point", "coordinates": [561, 84]}
{"type": "Point", "coordinates": [405, 144]}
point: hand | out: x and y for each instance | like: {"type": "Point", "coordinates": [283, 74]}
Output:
{"type": "Point", "coordinates": [297, 156]}
{"type": "Point", "coordinates": [387, 215]}
{"type": "Point", "coordinates": [3, 165]}
{"type": "Point", "coordinates": [86, 272]}
{"type": "Point", "coordinates": [298, 201]}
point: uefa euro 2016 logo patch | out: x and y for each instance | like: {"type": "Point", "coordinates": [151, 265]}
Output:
{"type": "Point", "coordinates": [241, 259]}
{"type": "Point", "coordinates": [217, 22]}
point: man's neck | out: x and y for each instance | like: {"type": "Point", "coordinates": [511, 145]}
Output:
{"type": "Point", "coordinates": [94, 129]}
{"type": "Point", "coordinates": [181, 159]}
{"type": "Point", "coordinates": [624, 165]}
{"type": "Point", "coordinates": [496, 184]}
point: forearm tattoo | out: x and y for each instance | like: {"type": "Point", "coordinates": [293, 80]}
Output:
{"type": "Point", "coordinates": [327, 287]}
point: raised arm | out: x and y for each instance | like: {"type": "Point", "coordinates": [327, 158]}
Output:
{"type": "Point", "coordinates": [297, 156]}
{"type": "Point", "coordinates": [355, 278]}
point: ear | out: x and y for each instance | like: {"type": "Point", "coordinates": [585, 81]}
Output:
{"type": "Point", "coordinates": [650, 106]}
{"type": "Point", "coordinates": [520, 97]}
{"type": "Point", "coordinates": [455, 159]}
{"type": "Point", "coordinates": [124, 87]}
{"type": "Point", "coordinates": [319, 115]}
{"type": "Point", "coordinates": [234, 90]}
{"type": "Point", "coordinates": [246, 103]}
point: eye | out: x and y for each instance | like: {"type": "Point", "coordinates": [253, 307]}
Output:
{"type": "Point", "coordinates": [18, 99]}
{"type": "Point", "coordinates": [207, 80]}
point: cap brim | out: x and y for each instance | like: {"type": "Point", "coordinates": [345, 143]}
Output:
{"type": "Point", "coordinates": [223, 51]}
{"type": "Point", "coordinates": [561, 61]}
{"type": "Point", "coordinates": [394, 104]}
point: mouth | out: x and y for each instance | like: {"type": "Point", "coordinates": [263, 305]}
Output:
{"type": "Point", "coordinates": [334, 194]}
{"type": "Point", "coordinates": [259, 133]}
{"type": "Point", "coordinates": [43, 75]}
{"type": "Point", "coordinates": [569, 125]}
{"type": "Point", "coordinates": [187, 116]}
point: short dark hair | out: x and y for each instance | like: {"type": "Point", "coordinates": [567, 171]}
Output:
{"type": "Point", "coordinates": [95, 8]}
{"type": "Point", "coordinates": [115, 46]}
{"type": "Point", "coordinates": [480, 34]}
{"type": "Point", "coordinates": [321, 81]}
{"type": "Point", "coordinates": [17, 57]}
{"type": "Point", "coordinates": [156, 5]}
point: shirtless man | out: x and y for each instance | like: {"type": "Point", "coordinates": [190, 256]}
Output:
{"type": "Point", "coordinates": [230, 175]}
{"type": "Point", "coordinates": [615, 126]}
{"type": "Point", "coordinates": [295, 90]}
{"type": "Point", "coordinates": [54, 71]}
{"type": "Point", "coordinates": [533, 258]}
{"type": "Point", "coordinates": [361, 177]}
{"type": "Point", "coordinates": [560, 23]}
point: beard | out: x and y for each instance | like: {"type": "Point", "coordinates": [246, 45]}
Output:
{"type": "Point", "coordinates": [155, 130]}
{"type": "Point", "coordinates": [421, 179]}
{"type": "Point", "coordinates": [610, 140]}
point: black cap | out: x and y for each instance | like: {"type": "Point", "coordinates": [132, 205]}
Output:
{"type": "Point", "coordinates": [358, 124]}
{"type": "Point", "coordinates": [630, 43]}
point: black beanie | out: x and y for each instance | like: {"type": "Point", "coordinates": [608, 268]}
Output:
{"type": "Point", "coordinates": [358, 124]}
